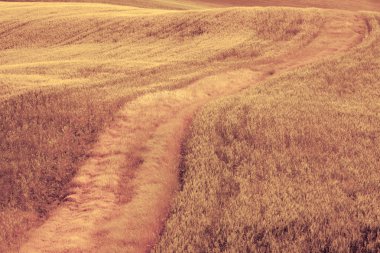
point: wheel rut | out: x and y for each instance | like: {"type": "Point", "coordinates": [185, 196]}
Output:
{"type": "Point", "coordinates": [121, 196]}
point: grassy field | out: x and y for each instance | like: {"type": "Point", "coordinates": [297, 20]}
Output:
{"type": "Point", "coordinates": [154, 4]}
{"type": "Point", "coordinates": [67, 68]}
{"type": "Point", "coordinates": [290, 165]}
{"type": "Point", "coordinates": [353, 5]}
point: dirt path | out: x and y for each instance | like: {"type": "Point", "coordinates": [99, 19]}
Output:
{"type": "Point", "coordinates": [121, 195]}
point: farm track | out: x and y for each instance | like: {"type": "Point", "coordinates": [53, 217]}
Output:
{"type": "Point", "coordinates": [121, 195]}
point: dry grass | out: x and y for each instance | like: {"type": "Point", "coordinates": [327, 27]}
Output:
{"type": "Point", "coordinates": [61, 84]}
{"type": "Point", "coordinates": [154, 4]}
{"type": "Point", "coordinates": [353, 5]}
{"type": "Point", "coordinates": [290, 165]}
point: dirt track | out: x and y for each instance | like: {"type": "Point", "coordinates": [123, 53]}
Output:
{"type": "Point", "coordinates": [122, 193]}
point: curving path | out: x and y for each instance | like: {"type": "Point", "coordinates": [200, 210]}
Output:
{"type": "Point", "coordinates": [121, 196]}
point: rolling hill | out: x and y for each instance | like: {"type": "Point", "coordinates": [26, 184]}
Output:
{"type": "Point", "coordinates": [352, 5]}
{"type": "Point", "coordinates": [184, 127]}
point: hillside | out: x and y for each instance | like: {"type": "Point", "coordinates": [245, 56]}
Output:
{"type": "Point", "coordinates": [289, 165]}
{"type": "Point", "coordinates": [352, 5]}
{"type": "Point", "coordinates": [64, 83]}
{"type": "Point", "coordinates": [128, 129]}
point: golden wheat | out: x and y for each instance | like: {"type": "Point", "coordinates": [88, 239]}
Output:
{"type": "Point", "coordinates": [290, 165]}
{"type": "Point", "coordinates": [67, 69]}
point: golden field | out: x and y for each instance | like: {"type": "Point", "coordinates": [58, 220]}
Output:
{"type": "Point", "coordinates": [235, 129]}
{"type": "Point", "coordinates": [290, 165]}
{"type": "Point", "coordinates": [353, 5]}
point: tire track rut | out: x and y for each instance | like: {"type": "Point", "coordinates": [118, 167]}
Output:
{"type": "Point", "coordinates": [121, 195]}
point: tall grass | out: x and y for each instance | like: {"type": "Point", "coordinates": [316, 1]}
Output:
{"type": "Point", "coordinates": [353, 5]}
{"type": "Point", "coordinates": [62, 84]}
{"type": "Point", "coordinates": [291, 165]}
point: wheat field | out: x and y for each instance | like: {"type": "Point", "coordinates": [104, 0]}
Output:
{"type": "Point", "coordinates": [175, 126]}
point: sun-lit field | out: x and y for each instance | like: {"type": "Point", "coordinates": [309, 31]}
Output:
{"type": "Point", "coordinates": [184, 128]}
{"type": "Point", "coordinates": [290, 165]}
{"type": "Point", "coordinates": [353, 5]}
